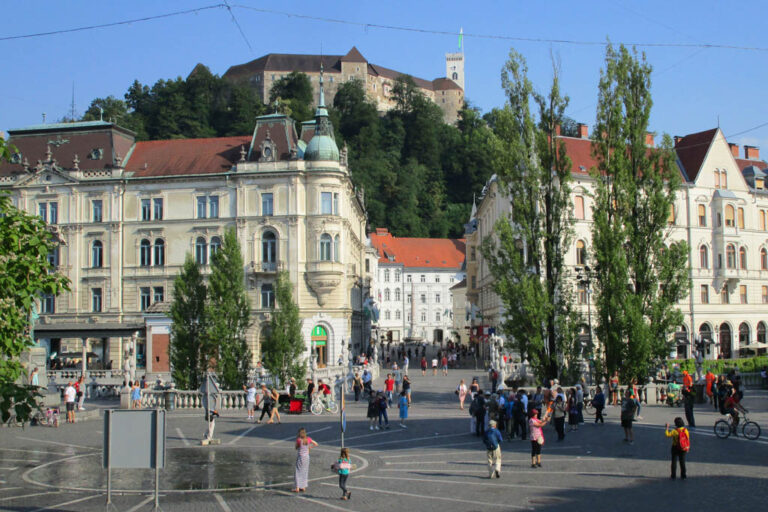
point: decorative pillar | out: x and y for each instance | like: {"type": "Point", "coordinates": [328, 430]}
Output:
{"type": "Point", "coordinates": [85, 356]}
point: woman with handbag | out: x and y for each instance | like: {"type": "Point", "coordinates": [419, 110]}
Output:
{"type": "Point", "coordinates": [537, 436]}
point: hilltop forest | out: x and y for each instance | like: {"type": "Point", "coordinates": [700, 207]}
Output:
{"type": "Point", "coordinates": [419, 174]}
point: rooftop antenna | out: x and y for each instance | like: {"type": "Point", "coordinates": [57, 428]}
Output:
{"type": "Point", "coordinates": [72, 105]}
{"type": "Point", "coordinates": [43, 117]}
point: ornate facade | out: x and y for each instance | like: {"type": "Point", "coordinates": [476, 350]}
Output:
{"type": "Point", "coordinates": [129, 212]}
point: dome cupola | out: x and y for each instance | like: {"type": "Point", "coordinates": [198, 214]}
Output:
{"type": "Point", "coordinates": [322, 146]}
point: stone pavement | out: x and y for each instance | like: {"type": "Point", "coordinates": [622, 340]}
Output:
{"type": "Point", "coordinates": [436, 464]}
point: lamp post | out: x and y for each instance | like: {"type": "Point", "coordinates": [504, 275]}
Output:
{"type": "Point", "coordinates": [584, 277]}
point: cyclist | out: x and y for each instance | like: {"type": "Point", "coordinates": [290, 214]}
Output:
{"type": "Point", "coordinates": [732, 406]}
{"type": "Point", "coordinates": [323, 393]}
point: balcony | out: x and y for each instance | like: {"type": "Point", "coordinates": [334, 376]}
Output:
{"type": "Point", "coordinates": [267, 267]}
{"type": "Point", "coordinates": [323, 277]}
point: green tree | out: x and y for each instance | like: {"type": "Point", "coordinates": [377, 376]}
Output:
{"type": "Point", "coordinates": [526, 253]}
{"type": "Point", "coordinates": [188, 327]}
{"type": "Point", "coordinates": [113, 110]}
{"type": "Point", "coordinates": [641, 275]}
{"type": "Point", "coordinates": [294, 91]}
{"type": "Point", "coordinates": [25, 274]}
{"type": "Point", "coordinates": [283, 347]}
{"type": "Point", "coordinates": [227, 314]}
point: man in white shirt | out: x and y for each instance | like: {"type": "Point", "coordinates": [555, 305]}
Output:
{"type": "Point", "coordinates": [250, 400]}
{"type": "Point", "coordinates": [405, 365]}
{"type": "Point", "coordinates": [69, 398]}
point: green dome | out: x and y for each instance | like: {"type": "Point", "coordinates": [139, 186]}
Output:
{"type": "Point", "coordinates": [321, 147]}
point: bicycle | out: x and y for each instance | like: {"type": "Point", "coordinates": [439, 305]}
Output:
{"type": "Point", "coordinates": [725, 427]}
{"type": "Point", "coordinates": [49, 419]}
{"type": "Point", "coordinates": [319, 405]}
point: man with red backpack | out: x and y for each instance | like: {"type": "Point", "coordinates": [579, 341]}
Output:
{"type": "Point", "coordinates": [681, 443]}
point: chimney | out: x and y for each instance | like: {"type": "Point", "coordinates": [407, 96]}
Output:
{"type": "Point", "coordinates": [677, 139]}
{"type": "Point", "coordinates": [583, 131]}
{"type": "Point", "coordinates": [557, 130]}
{"type": "Point", "coordinates": [649, 139]}
{"type": "Point", "coordinates": [751, 153]}
{"type": "Point", "coordinates": [734, 149]}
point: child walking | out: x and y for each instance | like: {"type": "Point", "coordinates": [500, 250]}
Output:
{"type": "Point", "coordinates": [343, 465]}
{"type": "Point", "coordinates": [681, 443]}
{"type": "Point", "coordinates": [403, 406]}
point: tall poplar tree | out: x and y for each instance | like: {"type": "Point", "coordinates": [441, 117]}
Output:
{"type": "Point", "coordinates": [640, 273]}
{"type": "Point", "coordinates": [283, 347]}
{"type": "Point", "coordinates": [228, 314]}
{"type": "Point", "coordinates": [526, 251]}
{"type": "Point", "coordinates": [188, 326]}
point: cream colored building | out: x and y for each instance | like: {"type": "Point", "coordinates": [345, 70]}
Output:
{"type": "Point", "coordinates": [129, 212]}
{"type": "Point", "coordinates": [721, 212]}
{"type": "Point", "coordinates": [261, 74]}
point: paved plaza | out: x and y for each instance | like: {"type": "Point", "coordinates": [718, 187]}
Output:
{"type": "Point", "coordinates": [434, 465]}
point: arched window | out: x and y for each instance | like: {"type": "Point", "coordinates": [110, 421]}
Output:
{"type": "Point", "coordinates": [397, 294]}
{"type": "Point", "coordinates": [325, 247]}
{"type": "Point", "coordinates": [215, 245]}
{"type": "Point", "coordinates": [201, 251]}
{"type": "Point", "coordinates": [578, 207]}
{"type": "Point", "coordinates": [145, 253]}
{"type": "Point", "coordinates": [97, 254]}
{"type": "Point", "coordinates": [725, 341]}
{"type": "Point", "coordinates": [268, 250]}
{"type": "Point", "coordinates": [705, 332]}
{"type": "Point", "coordinates": [704, 256]}
{"type": "Point", "coordinates": [729, 214]}
{"type": "Point", "coordinates": [743, 258]}
{"type": "Point", "coordinates": [730, 256]}
{"type": "Point", "coordinates": [723, 179]}
{"type": "Point", "coordinates": [743, 335]}
{"type": "Point", "coordinates": [717, 178]}
{"type": "Point", "coordinates": [386, 294]}
{"type": "Point", "coordinates": [337, 248]}
{"type": "Point", "coordinates": [763, 259]}
{"type": "Point", "coordinates": [761, 332]}
{"type": "Point", "coordinates": [702, 216]}
{"type": "Point", "coordinates": [740, 218]}
{"type": "Point", "coordinates": [159, 252]}
{"type": "Point", "coordinates": [581, 253]}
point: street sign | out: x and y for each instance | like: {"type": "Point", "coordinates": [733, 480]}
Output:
{"type": "Point", "coordinates": [343, 421]}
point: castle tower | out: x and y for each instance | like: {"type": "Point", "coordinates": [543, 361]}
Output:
{"type": "Point", "coordinates": [454, 68]}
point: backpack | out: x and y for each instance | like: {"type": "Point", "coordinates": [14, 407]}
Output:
{"type": "Point", "coordinates": [517, 408]}
{"type": "Point", "coordinates": [684, 439]}
{"type": "Point", "coordinates": [490, 444]}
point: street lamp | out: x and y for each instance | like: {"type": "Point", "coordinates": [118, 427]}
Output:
{"type": "Point", "coordinates": [584, 278]}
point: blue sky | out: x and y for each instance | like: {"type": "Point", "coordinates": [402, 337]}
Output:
{"type": "Point", "coordinates": [692, 87]}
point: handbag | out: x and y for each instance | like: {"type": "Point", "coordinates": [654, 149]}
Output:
{"type": "Point", "coordinates": [540, 440]}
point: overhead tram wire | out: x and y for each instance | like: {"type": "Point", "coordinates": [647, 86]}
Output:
{"type": "Point", "coordinates": [237, 24]}
{"type": "Point", "coordinates": [115, 23]}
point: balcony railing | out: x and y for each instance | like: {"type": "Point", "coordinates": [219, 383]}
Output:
{"type": "Point", "coordinates": [267, 267]}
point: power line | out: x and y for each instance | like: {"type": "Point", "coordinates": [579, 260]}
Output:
{"type": "Point", "coordinates": [497, 36]}
{"type": "Point", "coordinates": [237, 24]}
{"type": "Point", "coordinates": [116, 23]}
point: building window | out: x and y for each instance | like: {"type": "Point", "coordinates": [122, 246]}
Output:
{"type": "Point", "coordinates": [740, 218]}
{"type": "Point", "coordinates": [725, 297]}
{"type": "Point", "coordinates": [704, 294]}
{"type": "Point", "coordinates": [144, 298]}
{"type": "Point", "coordinates": [702, 216]}
{"type": "Point", "coordinates": [763, 259]}
{"type": "Point", "coordinates": [53, 258]}
{"type": "Point", "coordinates": [437, 279]}
{"type": "Point", "coordinates": [437, 316]}
{"type": "Point", "coordinates": [201, 251]}
{"type": "Point", "coordinates": [578, 207]}
{"type": "Point", "coordinates": [423, 298]}
{"type": "Point", "coordinates": [337, 248]}
{"type": "Point", "coordinates": [423, 278]}
{"type": "Point", "coordinates": [729, 221]}
{"type": "Point", "coordinates": [48, 304]}
{"type": "Point", "coordinates": [98, 212]}
{"type": "Point", "coordinates": [158, 207]}
{"type": "Point", "coordinates": [215, 245]}
{"type": "Point", "coordinates": [397, 314]}
{"type": "Point", "coordinates": [159, 252]}
{"type": "Point", "coordinates": [267, 204]}
{"type": "Point", "coordinates": [325, 247]}
{"type": "Point", "coordinates": [267, 296]}
{"type": "Point", "coordinates": [743, 293]}
{"type": "Point", "coordinates": [49, 212]}
{"type": "Point", "coordinates": [581, 293]}
{"type": "Point", "coordinates": [386, 276]}
{"type": "Point", "coordinates": [97, 254]}
{"type": "Point", "coordinates": [765, 294]}
{"type": "Point", "coordinates": [146, 209]}
{"type": "Point", "coordinates": [96, 300]}
{"type": "Point", "coordinates": [730, 256]}
{"type": "Point", "coordinates": [269, 250]}
{"type": "Point", "coordinates": [409, 278]}
{"type": "Point", "coordinates": [202, 207]}
{"type": "Point", "coordinates": [159, 294]}
{"type": "Point", "coordinates": [144, 253]}
{"type": "Point", "coordinates": [386, 315]}
{"type": "Point", "coordinates": [581, 252]}
{"type": "Point", "coordinates": [423, 317]}
{"type": "Point", "coordinates": [723, 179]}
{"type": "Point", "coordinates": [386, 294]}
{"type": "Point", "coordinates": [704, 256]}
{"type": "Point", "coordinates": [397, 276]}
{"type": "Point", "coordinates": [326, 203]}
{"type": "Point", "coordinates": [367, 265]}
{"type": "Point", "coordinates": [335, 203]}
{"type": "Point", "coordinates": [409, 317]}
{"type": "Point", "coordinates": [437, 298]}
{"type": "Point", "coordinates": [743, 258]}
{"type": "Point", "coordinates": [397, 294]}
{"type": "Point", "coordinates": [213, 207]}
{"type": "Point", "coordinates": [408, 298]}
{"type": "Point", "coordinates": [42, 211]}
{"type": "Point", "coordinates": [761, 219]}
{"type": "Point", "coordinates": [717, 178]}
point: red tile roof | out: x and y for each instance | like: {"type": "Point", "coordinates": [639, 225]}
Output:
{"type": "Point", "coordinates": [418, 252]}
{"type": "Point", "coordinates": [743, 163]}
{"type": "Point", "coordinates": [580, 153]}
{"type": "Point", "coordinates": [692, 149]}
{"type": "Point", "coordinates": [353, 55]}
{"type": "Point", "coordinates": [185, 156]}
{"type": "Point", "coordinates": [444, 84]}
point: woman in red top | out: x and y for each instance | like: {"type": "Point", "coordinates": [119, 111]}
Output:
{"type": "Point", "coordinates": [423, 365]}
